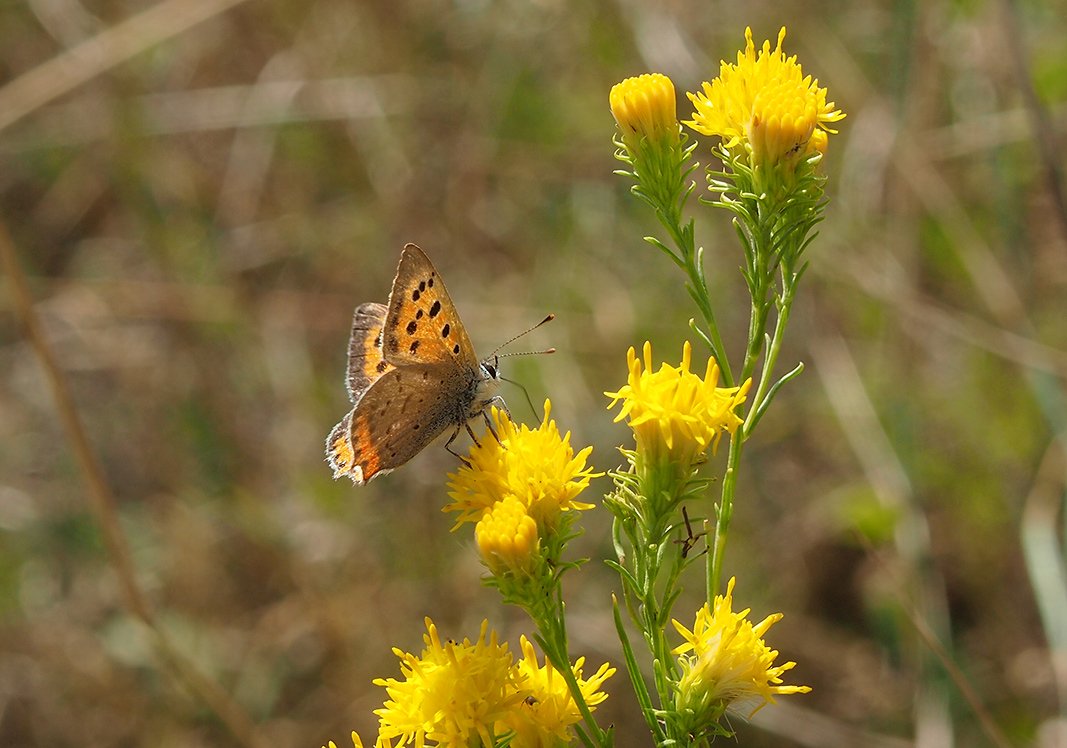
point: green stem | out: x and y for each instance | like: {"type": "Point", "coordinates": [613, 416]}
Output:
{"type": "Point", "coordinates": [668, 209]}
{"type": "Point", "coordinates": [644, 699]}
{"type": "Point", "coordinates": [757, 326]}
{"type": "Point", "coordinates": [766, 376]}
{"type": "Point", "coordinates": [760, 281]}
{"type": "Point", "coordinates": [698, 285]}
{"type": "Point", "coordinates": [654, 626]}
{"type": "Point", "coordinates": [725, 513]}
{"type": "Point", "coordinates": [650, 584]}
{"type": "Point", "coordinates": [551, 622]}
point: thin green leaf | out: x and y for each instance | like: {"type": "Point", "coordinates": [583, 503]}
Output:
{"type": "Point", "coordinates": [758, 414]}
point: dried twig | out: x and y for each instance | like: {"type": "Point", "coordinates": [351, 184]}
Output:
{"type": "Point", "coordinates": [104, 508]}
{"type": "Point", "coordinates": [83, 62]}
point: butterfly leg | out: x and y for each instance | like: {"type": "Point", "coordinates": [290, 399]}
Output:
{"type": "Point", "coordinates": [492, 430]}
{"type": "Point", "coordinates": [497, 400]}
{"type": "Point", "coordinates": [473, 437]}
{"type": "Point", "coordinates": [448, 445]}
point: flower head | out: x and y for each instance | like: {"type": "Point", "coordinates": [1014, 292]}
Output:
{"type": "Point", "coordinates": [676, 415]}
{"type": "Point", "coordinates": [507, 537]}
{"type": "Point", "coordinates": [461, 694]}
{"type": "Point", "coordinates": [548, 710]}
{"type": "Point", "coordinates": [538, 467]}
{"type": "Point", "coordinates": [452, 694]}
{"type": "Point", "coordinates": [725, 663]}
{"type": "Point", "coordinates": [764, 108]}
{"type": "Point", "coordinates": [645, 107]}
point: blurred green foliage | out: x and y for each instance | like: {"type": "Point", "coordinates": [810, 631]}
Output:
{"type": "Point", "coordinates": [198, 223]}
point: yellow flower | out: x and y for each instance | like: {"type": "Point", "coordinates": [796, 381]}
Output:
{"type": "Point", "coordinates": [452, 694]}
{"type": "Point", "coordinates": [548, 710]}
{"type": "Point", "coordinates": [725, 663]}
{"type": "Point", "coordinates": [675, 415]}
{"type": "Point", "coordinates": [507, 537]}
{"type": "Point", "coordinates": [536, 466]}
{"type": "Point", "coordinates": [475, 694]}
{"type": "Point", "coordinates": [645, 107]}
{"type": "Point", "coordinates": [764, 106]}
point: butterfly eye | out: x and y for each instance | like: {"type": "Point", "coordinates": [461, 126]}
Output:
{"type": "Point", "coordinates": [490, 370]}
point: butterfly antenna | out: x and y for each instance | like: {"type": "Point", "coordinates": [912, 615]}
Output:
{"type": "Point", "coordinates": [525, 392]}
{"type": "Point", "coordinates": [506, 343]}
{"type": "Point", "coordinates": [496, 356]}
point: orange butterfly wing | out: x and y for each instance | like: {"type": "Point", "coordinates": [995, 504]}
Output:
{"type": "Point", "coordinates": [421, 324]}
{"type": "Point", "coordinates": [339, 452]}
{"type": "Point", "coordinates": [365, 361]}
{"type": "Point", "coordinates": [365, 366]}
{"type": "Point", "coordinates": [400, 414]}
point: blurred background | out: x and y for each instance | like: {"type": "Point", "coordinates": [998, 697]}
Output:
{"type": "Point", "coordinates": [200, 191]}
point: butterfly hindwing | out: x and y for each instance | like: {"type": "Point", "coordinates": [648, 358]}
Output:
{"type": "Point", "coordinates": [365, 361]}
{"type": "Point", "coordinates": [421, 324]}
{"type": "Point", "coordinates": [402, 412]}
{"type": "Point", "coordinates": [339, 452]}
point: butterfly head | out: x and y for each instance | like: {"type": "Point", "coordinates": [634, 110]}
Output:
{"type": "Point", "coordinates": [491, 368]}
{"type": "Point", "coordinates": [488, 383]}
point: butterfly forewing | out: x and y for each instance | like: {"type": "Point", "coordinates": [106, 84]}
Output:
{"type": "Point", "coordinates": [421, 325]}
{"type": "Point", "coordinates": [365, 361]}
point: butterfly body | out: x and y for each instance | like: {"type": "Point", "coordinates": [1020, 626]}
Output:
{"type": "Point", "coordinates": [412, 375]}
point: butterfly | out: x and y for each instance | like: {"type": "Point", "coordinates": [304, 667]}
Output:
{"type": "Point", "coordinates": [412, 374]}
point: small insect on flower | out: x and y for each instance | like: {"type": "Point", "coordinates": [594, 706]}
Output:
{"type": "Point", "coordinates": [548, 711]}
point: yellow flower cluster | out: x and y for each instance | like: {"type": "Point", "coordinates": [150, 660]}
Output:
{"type": "Point", "coordinates": [765, 106]}
{"type": "Point", "coordinates": [520, 475]}
{"type": "Point", "coordinates": [452, 693]}
{"type": "Point", "coordinates": [507, 536]}
{"type": "Point", "coordinates": [548, 709]}
{"type": "Point", "coordinates": [676, 415]}
{"type": "Point", "coordinates": [456, 694]}
{"type": "Point", "coordinates": [725, 662]}
{"type": "Point", "coordinates": [645, 107]}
